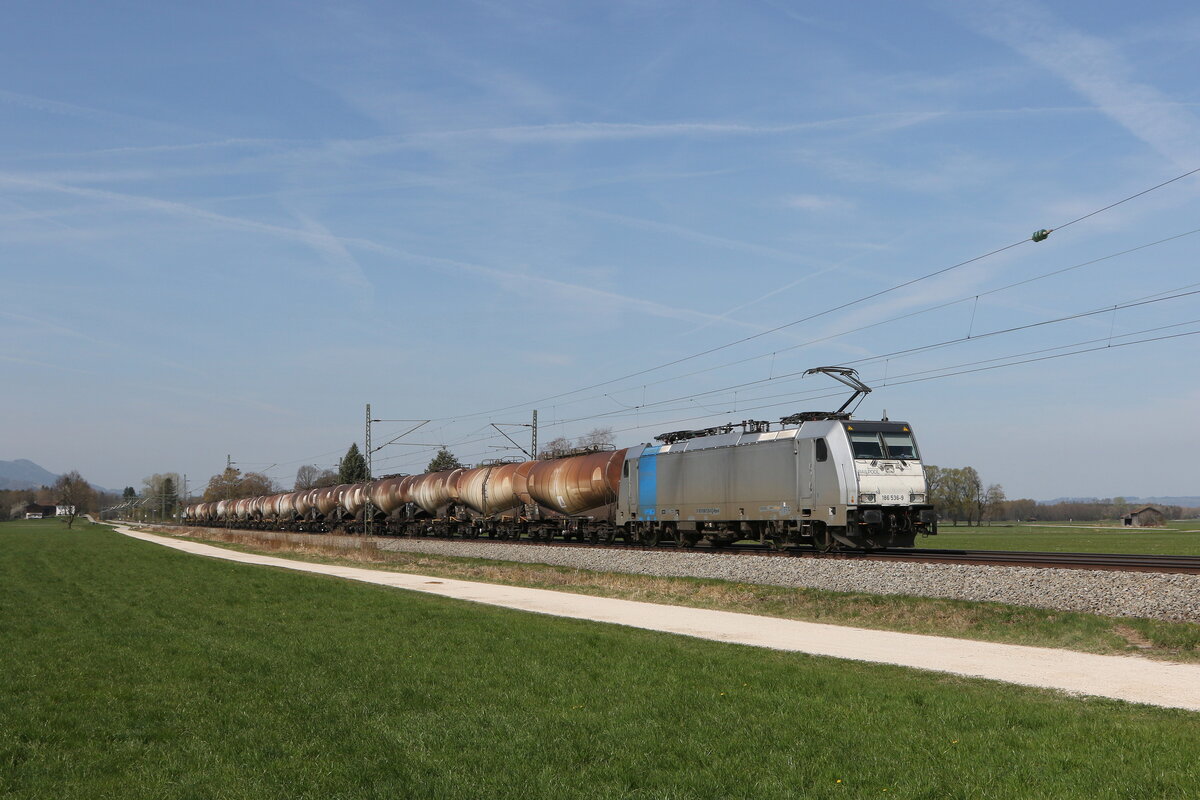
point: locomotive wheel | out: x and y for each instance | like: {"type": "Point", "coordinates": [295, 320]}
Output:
{"type": "Point", "coordinates": [822, 539]}
{"type": "Point", "coordinates": [650, 537]}
{"type": "Point", "coordinates": [690, 539]}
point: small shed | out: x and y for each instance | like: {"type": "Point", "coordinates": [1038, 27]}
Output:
{"type": "Point", "coordinates": [1145, 517]}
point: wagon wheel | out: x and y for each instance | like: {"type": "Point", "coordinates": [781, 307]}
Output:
{"type": "Point", "coordinates": [690, 539]}
{"type": "Point", "coordinates": [650, 537]}
{"type": "Point", "coordinates": [822, 538]}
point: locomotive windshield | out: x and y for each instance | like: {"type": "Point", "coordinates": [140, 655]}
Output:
{"type": "Point", "coordinates": [881, 440]}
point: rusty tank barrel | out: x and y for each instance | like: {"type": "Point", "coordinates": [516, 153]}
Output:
{"type": "Point", "coordinates": [303, 502]}
{"type": "Point", "coordinates": [489, 490]}
{"type": "Point", "coordinates": [354, 497]}
{"type": "Point", "coordinates": [286, 506]}
{"type": "Point", "coordinates": [575, 484]}
{"type": "Point", "coordinates": [435, 489]}
{"type": "Point", "coordinates": [385, 494]}
{"type": "Point", "coordinates": [404, 489]}
{"type": "Point", "coordinates": [326, 500]}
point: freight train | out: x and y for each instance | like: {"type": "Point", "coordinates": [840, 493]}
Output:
{"type": "Point", "coordinates": [821, 479]}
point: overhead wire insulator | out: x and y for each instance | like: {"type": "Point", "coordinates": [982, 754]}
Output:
{"type": "Point", "coordinates": [1040, 236]}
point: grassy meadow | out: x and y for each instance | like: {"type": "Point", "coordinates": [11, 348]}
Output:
{"type": "Point", "coordinates": [1176, 539]}
{"type": "Point", "coordinates": [133, 671]}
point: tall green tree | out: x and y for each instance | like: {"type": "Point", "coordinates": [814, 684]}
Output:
{"type": "Point", "coordinates": [162, 493]}
{"type": "Point", "coordinates": [353, 466]}
{"type": "Point", "coordinates": [170, 497]}
{"type": "Point", "coordinates": [444, 460]}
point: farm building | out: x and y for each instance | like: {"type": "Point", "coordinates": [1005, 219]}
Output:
{"type": "Point", "coordinates": [1145, 517]}
{"type": "Point", "coordinates": [35, 511]}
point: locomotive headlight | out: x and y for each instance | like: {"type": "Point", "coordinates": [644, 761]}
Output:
{"type": "Point", "coordinates": [866, 498]}
{"type": "Point", "coordinates": [916, 497]}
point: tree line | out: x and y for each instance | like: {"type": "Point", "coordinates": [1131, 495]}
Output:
{"type": "Point", "coordinates": [71, 489]}
{"type": "Point", "coordinates": [959, 495]}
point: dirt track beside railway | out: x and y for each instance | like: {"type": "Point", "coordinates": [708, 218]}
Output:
{"type": "Point", "coordinates": [1128, 678]}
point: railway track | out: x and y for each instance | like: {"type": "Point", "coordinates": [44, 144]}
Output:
{"type": "Point", "coordinates": [1117, 562]}
{"type": "Point", "coordinates": [1114, 562]}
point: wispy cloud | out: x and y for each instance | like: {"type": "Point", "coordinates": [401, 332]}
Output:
{"type": "Point", "coordinates": [337, 248]}
{"type": "Point", "coordinates": [815, 202]}
{"type": "Point", "coordinates": [1095, 68]}
{"type": "Point", "coordinates": [60, 108]}
{"type": "Point", "coordinates": [334, 251]}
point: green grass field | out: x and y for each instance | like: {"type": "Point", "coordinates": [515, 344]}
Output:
{"type": "Point", "coordinates": [1176, 539]}
{"type": "Point", "coordinates": [983, 621]}
{"type": "Point", "coordinates": [134, 671]}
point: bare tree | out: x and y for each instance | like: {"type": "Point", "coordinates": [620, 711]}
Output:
{"type": "Point", "coordinates": [223, 486]}
{"type": "Point", "coordinates": [973, 495]}
{"type": "Point", "coordinates": [306, 477]}
{"type": "Point", "coordinates": [256, 484]}
{"type": "Point", "coordinates": [597, 439]}
{"type": "Point", "coordinates": [233, 485]}
{"type": "Point", "coordinates": [994, 502]}
{"type": "Point", "coordinates": [556, 448]}
{"type": "Point", "coordinates": [73, 491]}
{"type": "Point", "coordinates": [310, 476]}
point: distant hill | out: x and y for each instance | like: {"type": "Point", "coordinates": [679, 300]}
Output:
{"type": "Point", "coordinates": [1186, 502]}
{"type": "Point", "coordinates": [24, 474]}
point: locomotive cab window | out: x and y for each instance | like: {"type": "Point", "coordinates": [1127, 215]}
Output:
{"type": "Point", "coordinates": [882, 442]}
{"type": "Point", "coordinates": [822, 450]}
{"type": "Point", "coordinates": [866, 445]}
{"type": "Point", "coordinates": [900, 445]}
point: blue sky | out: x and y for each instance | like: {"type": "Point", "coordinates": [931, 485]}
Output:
{"type": "Point", "coordinates": [224, 228]}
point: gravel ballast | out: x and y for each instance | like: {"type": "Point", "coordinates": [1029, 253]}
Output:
{"type": "Point", "coordinates": [1148, 595]}
{"type": "Point", "coordinates": [1120, 594]}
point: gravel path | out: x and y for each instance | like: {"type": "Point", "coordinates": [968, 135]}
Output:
{"type": "Point", "coordinates": [1121, 594]}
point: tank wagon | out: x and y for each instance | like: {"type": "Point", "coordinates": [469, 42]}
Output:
{"type": "Point", "coordinates": [817, 478]}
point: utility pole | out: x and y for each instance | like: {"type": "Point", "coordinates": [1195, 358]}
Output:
{"type": "Point", "coordinates": [533, 426]}
{"type": "Point", "coordinates": [368, 509]}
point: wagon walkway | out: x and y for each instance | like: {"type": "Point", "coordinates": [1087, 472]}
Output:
{"type": "Point", "coordinates": [1137, 680]}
